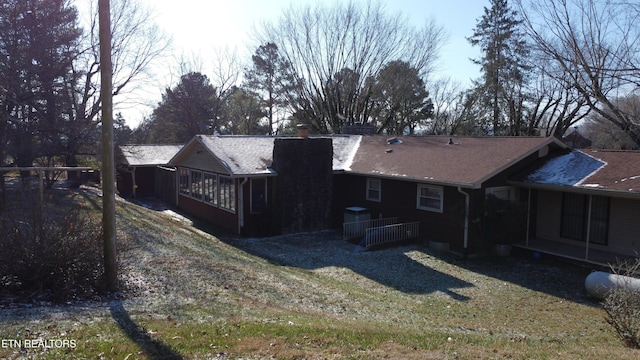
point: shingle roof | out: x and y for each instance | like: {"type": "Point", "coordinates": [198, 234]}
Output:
{"type": "Point", "coordinates": [621, 172]}
{"type": "Point", "coordinates": [253, 155]}
{"type": "Point", "coordinates": [466, 161]}
{"type": "Point", "coordinates": [242, 155]}
{"type": "Point", "coordinates": [148, 155]}
{"type": "Point", "coordinates": [566, 169]}
{"type": "Point", "coordinates": [588, 170]}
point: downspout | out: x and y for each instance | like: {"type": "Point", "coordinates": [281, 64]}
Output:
{"type": "Point", "coordinates": [241, 205]}
{"type": "Point", "coordinates": [133, 182]}
{"type": "Point", "coordinates": [528, 218]}
{"type": "Point", "coordinates": [466, 219]}
{"type": "Point", "coordinates": [177, 186]}
{"type": "Point", "coordinates": [588, 239]}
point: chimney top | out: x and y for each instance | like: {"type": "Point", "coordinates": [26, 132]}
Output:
{"type": "Point", "coordinates": [303, 130]}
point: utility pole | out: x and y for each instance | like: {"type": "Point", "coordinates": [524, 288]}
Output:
{"type": "Point", "coordinates": [108, 172]}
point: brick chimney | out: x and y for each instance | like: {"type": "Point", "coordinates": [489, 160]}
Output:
{"type": "Point", "coordinates": [304, 185]}
{"type": "Point", "coordinates": [303, 130]}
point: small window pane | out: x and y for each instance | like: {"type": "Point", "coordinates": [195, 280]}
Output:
{"type": "Point", "coordinates": [227, 193]}
{"type": "Point", "coordinates": [196, 184]}
{"type": "Point", "coordinates": [184, 183]}
{"type": "Point", "coordinates": [429, 198]}
{"type": "Point", "coordinates": [373, 189]}
{"type": "Point", "coordinates": [210, 188]}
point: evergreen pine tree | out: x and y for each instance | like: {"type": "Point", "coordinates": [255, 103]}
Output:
{"type": "Point", "coordinates": [503, 65]}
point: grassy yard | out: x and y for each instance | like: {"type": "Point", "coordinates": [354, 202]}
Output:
{"type": "Point", "coordinates": [189, 292]}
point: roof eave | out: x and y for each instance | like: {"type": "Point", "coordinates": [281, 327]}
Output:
{"type": "Point", "coordinates": [578, 189]}
{"type": "Point", "coordinates": [495, 172]}
{"type": "Point", "coordinates": [417, 180]}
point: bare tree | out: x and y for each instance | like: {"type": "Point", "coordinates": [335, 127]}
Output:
{"type": "Point", "coordinates": [596, 44]}
{"type": "Point", "coordinates": [553, 108]}
{"type": "Point", "coordinates": [447, 97]}
{"type": "Point", "coordinates": [226, 70]}
{"type": "Point", "coordinates": [606, 135]}
{"type": "Point", "coordinates": [322, 41]}
{"type": "Point", "coordinates": [135, 43]}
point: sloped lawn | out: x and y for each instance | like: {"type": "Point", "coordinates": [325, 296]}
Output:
{"type": "Point", "coordinates": [189, 294]}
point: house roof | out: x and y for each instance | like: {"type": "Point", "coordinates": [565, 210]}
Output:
{"type": "Point", "coordinates": [148, 155]}
{"type": "Point", "coordinates": [241, 155]}
{"type": "Point", "coordinates": [588, 170]}
{"type": "Point", "coordinates": [575, 140]}
{"type": "Point", "coordinates": [245, 155]}
{"type": "Point", "coordinates": [463, 161]}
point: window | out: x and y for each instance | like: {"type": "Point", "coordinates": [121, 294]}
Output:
{"type": "Point", "coordinates": [575, 213]}
{"type": "Point", "coordinates": [508, 193]}
{"type": "Point", "coordinates": [226, 193]}
{"type": "Point", "coordinates": [210, 184]}
{"type": "Point", "coordinates": [373, 189]}
{"type": "Point", "coordinates": [196, 184]}
{"type": "Point", "coordinates": [258, 195]}
{"type": "Point", "coordinates": [184, 183]}
{"type": "Point", "coordinates": [599, 229]}
{"type": "Point", "coordinates": [430, 198]}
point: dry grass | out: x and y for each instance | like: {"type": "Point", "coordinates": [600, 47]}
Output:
{"type": "Point", "coordinates": [187, 293]}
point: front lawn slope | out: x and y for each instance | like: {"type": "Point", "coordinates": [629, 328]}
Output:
{"type": "Point", "coordinates": [189, 293]}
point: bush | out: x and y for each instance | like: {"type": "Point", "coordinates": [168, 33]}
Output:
{"type": "Point", "coordinates": [49, 252]}
{"type": "Point", "coordinates": [622, 305]}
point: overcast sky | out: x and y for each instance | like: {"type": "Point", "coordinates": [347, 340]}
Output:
{"type": "Point", "coordinates": [198, 27]}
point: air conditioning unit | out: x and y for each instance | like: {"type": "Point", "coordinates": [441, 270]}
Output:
{"type": "Point", "coordinates": [356, 214]}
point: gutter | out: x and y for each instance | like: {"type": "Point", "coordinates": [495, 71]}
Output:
{"type": "Point", "coordinates": [578, 189]}
{"type": "Point", "coordinates": [466, 219]}
{"type": "Point", "coordinates": [241, 204]}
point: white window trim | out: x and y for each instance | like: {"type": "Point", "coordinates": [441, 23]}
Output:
{"type": "Point", "coordinates": [379, 190]}
{"type": "Point", "coordinates": [184, 174]}
{"type": "Point", "coordinates": [439, 189]}
{"type": "Point", "coordinates": [191, 192]}
{"type": "Point", "coordinates": [235, 195]}
{"type": "Point", "coordinates": [214, 193]}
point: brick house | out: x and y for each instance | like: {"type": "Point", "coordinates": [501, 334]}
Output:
{"type": "Point", "coordinates": [467, 193]}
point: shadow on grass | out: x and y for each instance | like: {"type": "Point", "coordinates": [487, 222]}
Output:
{"type": "Point", "coordinates": [153, 348]}
{"type": "Point", "coordinates": [409, 269]}
{"type": "Point", "coordinates": [403, 267]}
{"type": "Point", "coordinates": [406, 267]}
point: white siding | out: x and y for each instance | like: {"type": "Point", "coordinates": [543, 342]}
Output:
{"type": "Point", "coordinates": [624, 226]}
{"type": "Point", "coordinates": [197, 157]}
{"type": "Point", "coordinates": [624, 222]}
{"type": "Point", "coordinates": [549, 214]}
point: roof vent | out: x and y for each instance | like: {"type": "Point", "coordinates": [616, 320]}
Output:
{"type": "Point", "coordinates": [394, 141]}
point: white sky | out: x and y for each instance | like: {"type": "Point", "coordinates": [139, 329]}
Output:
{"type": "Point", "coordinates": [199, 27]}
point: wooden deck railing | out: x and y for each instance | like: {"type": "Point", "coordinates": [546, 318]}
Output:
{"type": "Point", "coordinates": [352, 230]}
{"type": "Point", "coordinates": [390, 233]}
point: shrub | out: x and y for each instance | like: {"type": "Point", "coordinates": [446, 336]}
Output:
{"type": "Point", "coordinates": [49, 252]}
{"type": "Point", "coordinates": [622, 305]}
